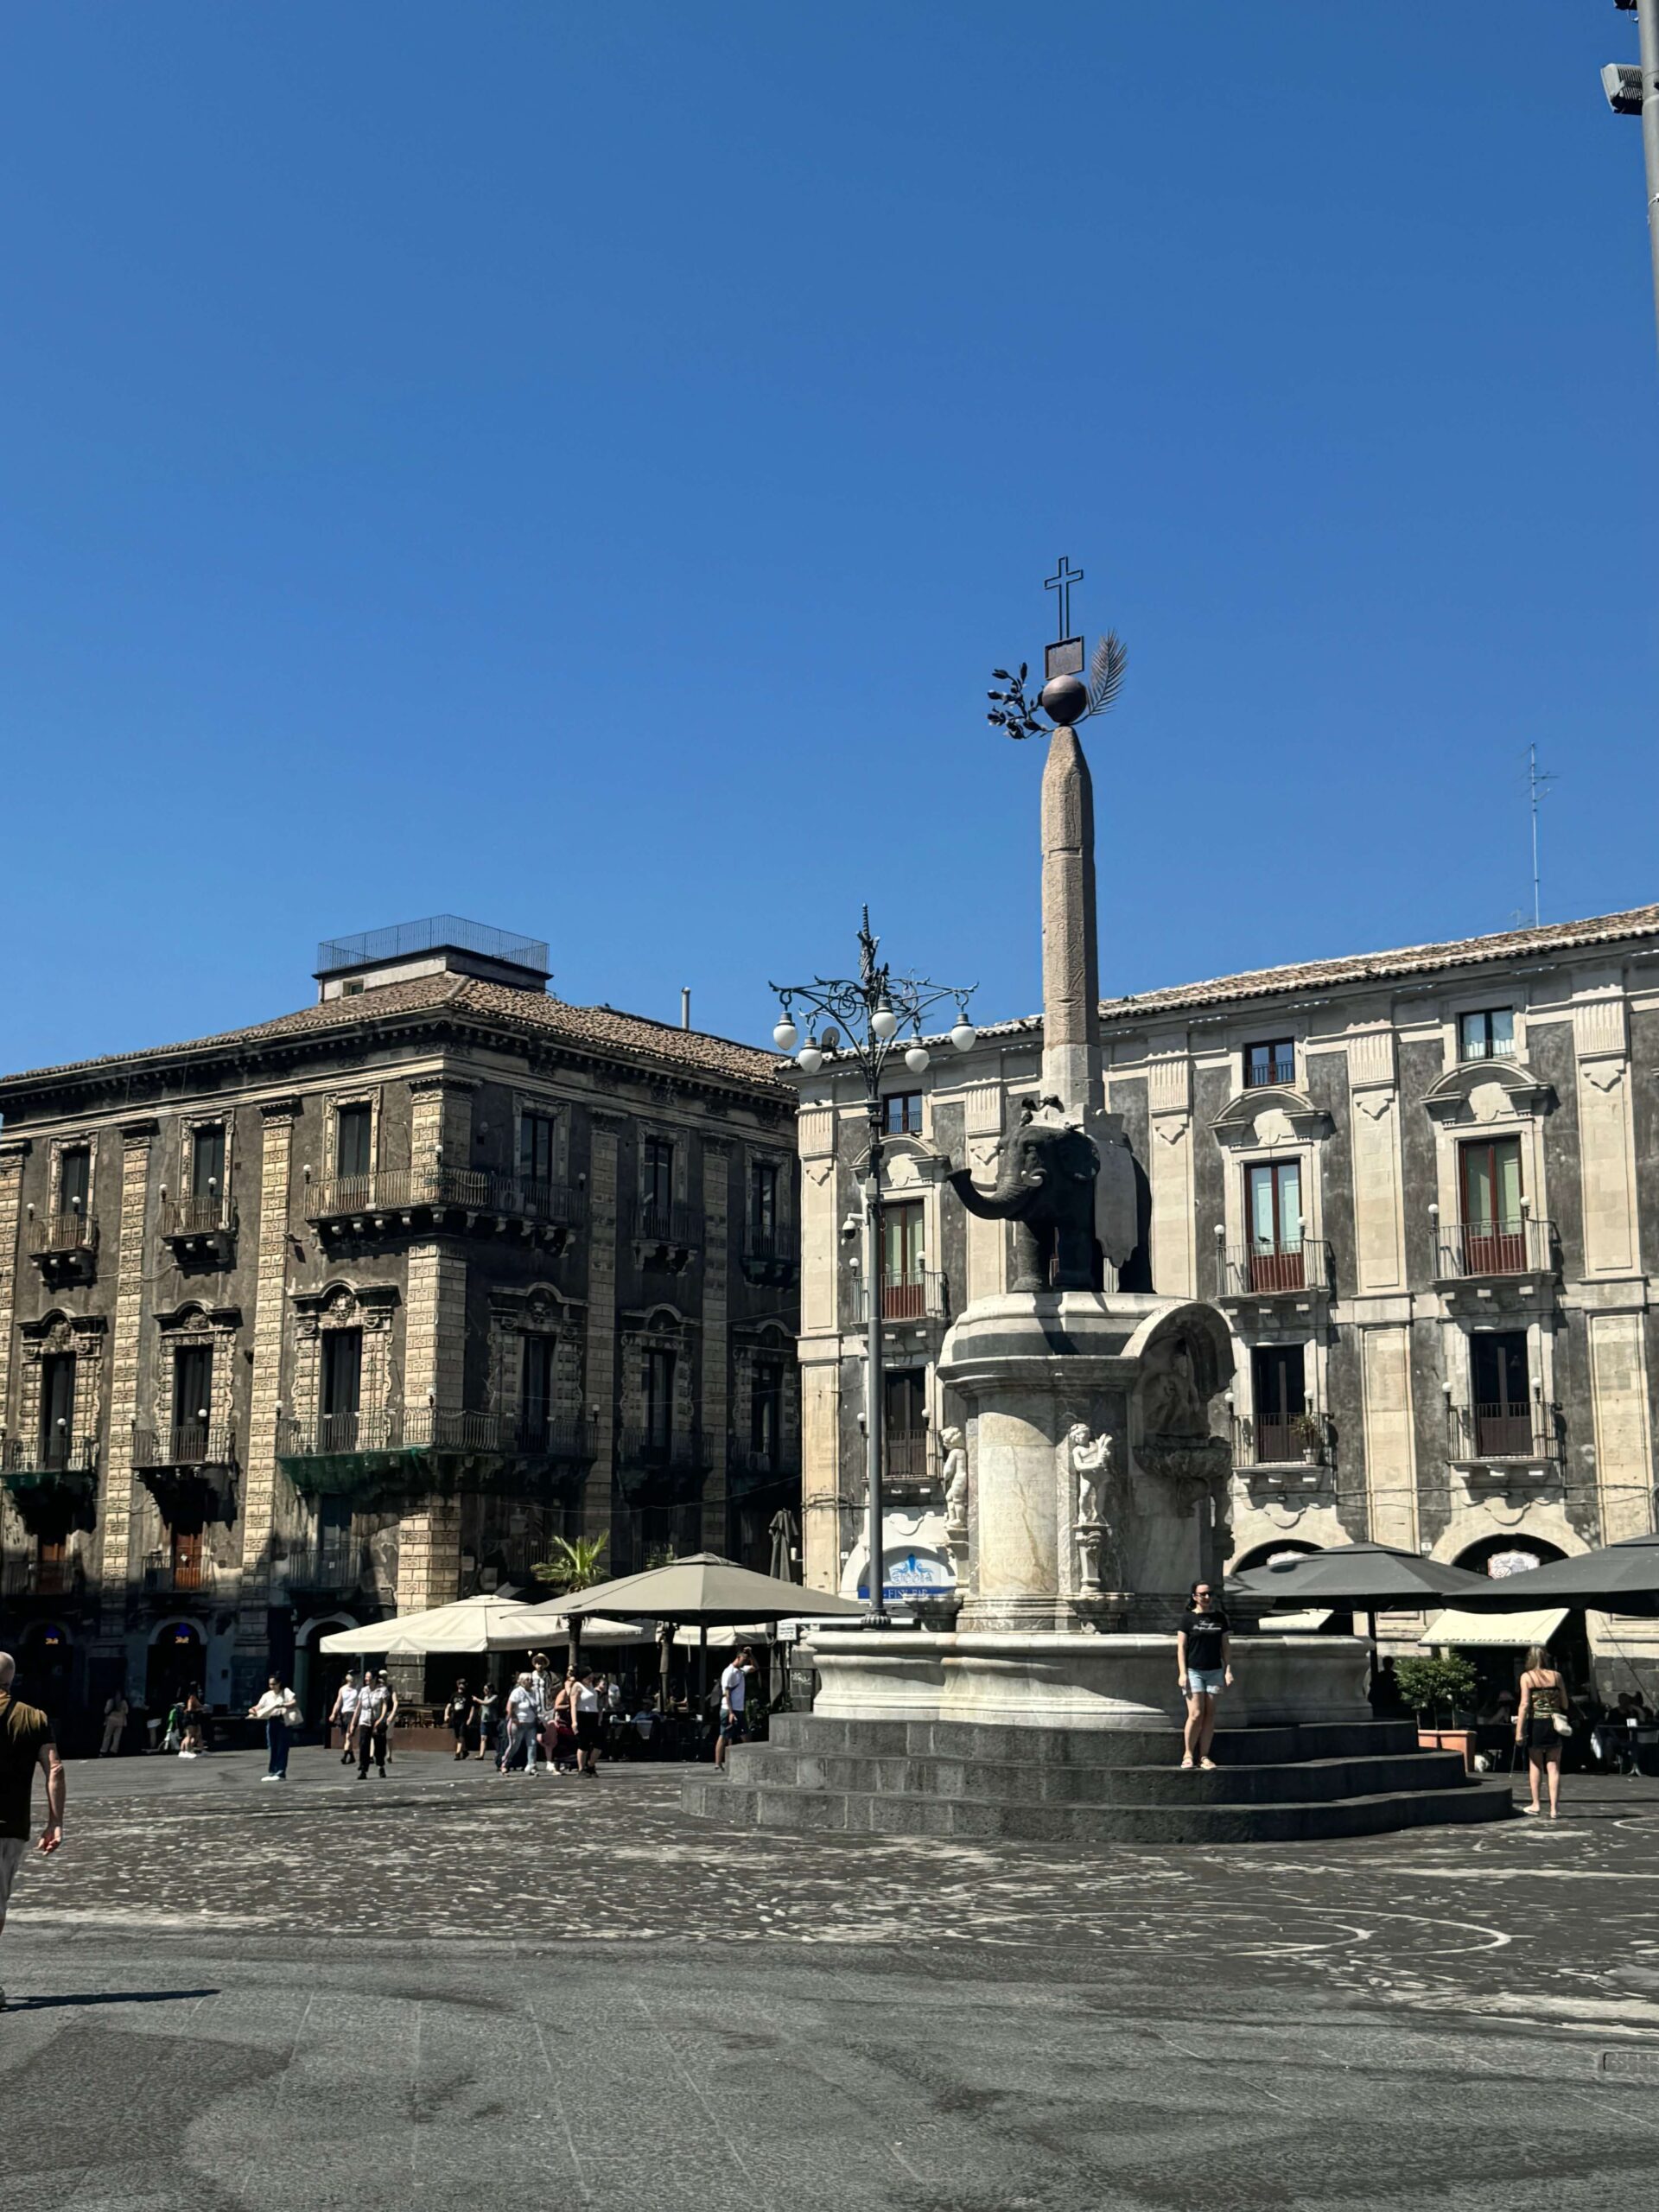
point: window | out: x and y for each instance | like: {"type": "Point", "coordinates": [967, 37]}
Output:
{"type": "Point", "coordinates": [74, 1178]}
{"type": "Point", "coordinates": [57, 1407]}
{"type": "Point", "coordinates": [189, 1569]}
{"type": "Point", "coordinates": [1273, 1062]}
{"type": "Point", "coordinates": [1279, 1383]}
{"type": "Point", "coordinates": [657, 1176]}
{"type": "Point", "coordinates": [353, 1140]}
{"type": "Point", "coordinates": [901, 1114]}
{"type": "Point", "coordinates": [193, 1400]}
{"type": "Point", "coordinates": [1497, 1364]}
{"type": "Point", "coordinates": [659, 1400]}
{"type": "Point", "coordinates": [537, 1141]}
{"type": "Point", "coordinates": [903, 1280]}
{"type": "Point", "coordinates": [904, 1393]}
{"type": "Point", "coordinates": [342, 1383]}
{"type": "Point", "coordinates": [1493, 1231]}
{"type": "Point", "coordinates": [1489, 1035]}
{"type": "Point", "coordinates": [536, 1391]}
{"type": "Point", "coordinates": [1272, 1203]}
{"type": "Point", "coordinates": [208, 1160]}
{"type": "Point", "coordinates": [767, 1411]}
{"type": "Point", "coordinates": [763, 1200]}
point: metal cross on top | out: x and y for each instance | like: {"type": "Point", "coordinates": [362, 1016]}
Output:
{"type": "Point", "coordinates": [1062, 581]}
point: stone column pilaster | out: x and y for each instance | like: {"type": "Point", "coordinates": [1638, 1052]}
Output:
{"type": "Point", "coordinates": [13, 1152]}
{"type": "Point", "coordinates": [434, 1360]}
{"type": "Point", "coordinates": [126, 1352]}
{"type": "Point", "coordinates": [603, 1229]}
{"type": "Point", "coordinates": [260, 1477]}
{"type": "Point", "coordinates": [716, 1335]}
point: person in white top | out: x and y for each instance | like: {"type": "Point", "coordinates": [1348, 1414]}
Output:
{"type": "Point", "coordinates": [279, 1709]}
{"type": "Point", "coordinates": [116, 1713]}
{"type": "Point", "coordinates": [343, 1714]}
{"type": "Point", "coordinates": [733, 1700]}
{"type": "Point", "coordinates": [587, 1705]}
{"type": "Point", "coordinates": [376, 1708]}
{"type": "Point", "coordinates": [524, 1720]}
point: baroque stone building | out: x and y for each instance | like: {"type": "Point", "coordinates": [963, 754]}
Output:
{"type": "Point", "coordinates": [354, 1311]}
{"type": "Point", "coordinates": [1423, 1187]}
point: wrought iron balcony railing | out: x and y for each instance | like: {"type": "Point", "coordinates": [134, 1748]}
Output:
{"type": "Point", "coordinates": [909, 1456]}
{"type": "Point", "coordinates": [1505, 1431]}
{"type": "Point", "coordinates": [1263, 1268]}
{"type": "Point", "coordinates": [919, 1294]}
{"type": "Point", "coordinates": [336, 1564]}
{"type": "Point", "coordinates": [187, 1445]}
{"type": "Point", "coordinates": [53, 1233]}
{"type": "Point", "coordinates": [1278, 1073]}
{"type": "Point", "coordinates": [42, 1578]}
{"type": "Point", "coordinates": [772, 1255]}
{"type": "Point", "coordinates": [651, 1222]}
{"type": "Point", "coordinates": [181, 1577]}
{"type": "Point", "coordinates": [371, 1200]}
{"type": "Point", "coordinates": [210, 1216]}
{"type": "Point", "coordinates": [1282, 1443]}
{"type": "Point", "coordinates": [414, 1450]}
{"type": "Point", "coordinates": [1523, 1244]}
{"type": "Point", "coordinates": [766, 1463]}
{"type": "Point", "coordinates": [58, 1460]}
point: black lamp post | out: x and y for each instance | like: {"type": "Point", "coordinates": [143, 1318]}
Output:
{"type": "Point", "coordinates": [870, 1019]}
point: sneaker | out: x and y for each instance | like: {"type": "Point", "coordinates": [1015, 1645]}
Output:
{"type": "Point", "coordinates": [270, 1778]}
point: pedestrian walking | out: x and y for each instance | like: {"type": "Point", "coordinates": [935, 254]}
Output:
{"type": "Point", "coordinates": [279, 1709]}
{"type": "Point", "coordinates": [195, 1726]}
{"type": "Point", "coordinates": [173, 1739]}
{"type": "Point", "coordinates": [521, 1716]}
{"type": "Point", "coordinates": [564, 1727]}
{"type": "Point", "coordinates": [489, 1722]}
{"type": "Point", "coordinates": [342, 1714]}
{"type": "Point", "coordinates": [458, 1713]}
{"type": "Point", "coordinates": [1543, 1722]}
{"type": "Point", "coordinates": [376, 1708]}
{"type": "Point", "coordinates": [586, 1700]}
{"type": "Point", "coordinates": [25, 1744]}
{"type": "Point", "coordinates": [735, 1682]}
{"type": "Point", "coordinates": [116, 1714]}
{"type": "Point", "coordinates": [1204, 1646]}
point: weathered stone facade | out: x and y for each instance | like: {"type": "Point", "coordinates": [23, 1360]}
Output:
{"type": "Point", "coordinates": [355, 1311]}
{"type": "Point", "coordinates": [1423, 1187]}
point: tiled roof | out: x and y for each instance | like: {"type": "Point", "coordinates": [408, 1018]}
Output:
{"type": "Point", "coordinates": [534, 1013]}
{"type": "Point", "coordinates": [1366, 968]}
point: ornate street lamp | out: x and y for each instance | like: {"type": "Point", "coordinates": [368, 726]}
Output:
{"type": "Point", "coordinates": [865, 1019]}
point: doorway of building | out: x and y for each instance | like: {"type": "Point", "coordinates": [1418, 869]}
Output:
{"type": "Point", "coordinates": [1498, 1667]}
{"type": "Point", "coordinates": [176, 1663]}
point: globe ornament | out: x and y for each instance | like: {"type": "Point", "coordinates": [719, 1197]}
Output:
{"type": "Point", "coordinates": [1065, 700]}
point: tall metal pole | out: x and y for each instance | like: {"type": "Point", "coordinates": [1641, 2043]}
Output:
{"type": "Point", "coordinates": [874, 1409]}
{"type": "Point", "coordinates": [1646, 18]}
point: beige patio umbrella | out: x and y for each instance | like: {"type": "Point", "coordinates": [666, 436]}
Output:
{"type": "Point", "coordinates": [464, 1626]}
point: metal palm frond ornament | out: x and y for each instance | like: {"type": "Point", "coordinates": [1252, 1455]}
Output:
{"type": "Point", "coordinates": [1065, 699]}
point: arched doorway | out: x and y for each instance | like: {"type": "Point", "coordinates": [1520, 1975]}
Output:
{"type": "Point", "coordinates": [318, 1675]}
{"type": "Point", "coordinates": [176, 1663]}
{"type": "Point", "coordinates": [46, 1660]}
{"type": "Point", "coordinates": [1497, 1667]}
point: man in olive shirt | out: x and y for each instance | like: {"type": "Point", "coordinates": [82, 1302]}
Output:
{"type": "Point", "coordinates": [25, 1743]}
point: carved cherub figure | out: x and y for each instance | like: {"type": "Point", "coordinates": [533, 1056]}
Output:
{"type": "Point", "coordinates": [955, 1476]}
{"type": "Point", "coordinates": [1091, 1463]}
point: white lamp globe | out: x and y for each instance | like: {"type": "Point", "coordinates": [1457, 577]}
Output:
{"type": "Point", "coordinates": [964, 1036]}
{"type": "Point", "coordinates": [785, 1036]}
{"type": "Point", "coordinates": [884, 1022]}
{"type": "Point", "coordinates": [809, 1059]}
{"type": "Point", "coordinates": [916, 1058]}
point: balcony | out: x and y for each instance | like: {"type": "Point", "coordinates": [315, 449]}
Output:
{"type": "Point", "coordinates": [54, 1479]}
{"type": "Point", "coordinates": [1276, 1074]}
{"type": "Point", "coordinates": [665, 1236]}
{"type": "Point", "coordinates": [64, 1246]}
{"type": "Point", "coordinates": [663, 1469]}
{"type": "Point", "coordinates": [404, 1201]}
{"type": "Point", "coordinates": [771, 1257]}
{"type": "Point", "coordinates": [189, 1469]}
{"type": "Point", "coordinates": [201, 1232]}
{"type": "Point", "coordinates": [1507, 1448]}
{"type": "Point", "coordinates": [1483, 1265]}
{"type": "Point", "coordinates": [428, 1451]}
{"type": "Point", "coordinates": [920, 1299]}
{"type": "Point", "coordinates": [1286, 1456]}
{"type": "Point", "coordinates": [334, 1567]}
{"type": "Point", "coordinates": [181, 1577]}
{"type": "Point", "coordinates": [910, 1467]}
{"type": "Point", "coordinates": [51, 1579]}
{"type": "Point", "coordinates": [1263, 1269]}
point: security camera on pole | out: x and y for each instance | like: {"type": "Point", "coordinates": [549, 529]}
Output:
{"type": "Point", "coordinates": [1634, 90]}
{"type": "Point", "coordinates": [881, 1015]}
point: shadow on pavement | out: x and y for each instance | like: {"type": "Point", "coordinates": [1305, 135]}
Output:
{"type": "Point", "coordinates": [107, 1997]}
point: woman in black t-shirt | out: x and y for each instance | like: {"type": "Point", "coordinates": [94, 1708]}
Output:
{"type": "Point", "coordinates": [1203, 1644]}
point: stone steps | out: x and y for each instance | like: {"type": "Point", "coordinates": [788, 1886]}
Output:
{"type": "Point", "coordinates": [1033, 1747]}
{"type": "Point", "coordinates": [738, 1802]}
{"type": "Point", "coordinates": [766, 1766]}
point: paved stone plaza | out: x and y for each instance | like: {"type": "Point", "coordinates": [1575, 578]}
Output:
{"type": "Point", "coordinates": [446, 1988]}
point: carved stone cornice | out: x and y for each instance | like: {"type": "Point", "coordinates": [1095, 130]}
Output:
{"type": "Point", "coordinates": [1235, 1126]}
{"type": "Point", "coordinates": [1447, 1100]}
{"type": "Point", "coordinates": [282, 1109]}
{"type": "Point", "coordinates": [140, 1133]}
{"type": "Point", "coordinates": [440, 1079]}
{"type": "Point", "coordinates": [13, 1150]}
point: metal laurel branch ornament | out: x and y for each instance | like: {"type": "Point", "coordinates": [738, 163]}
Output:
{"type": "Point", "coordinates": [1063, 699]}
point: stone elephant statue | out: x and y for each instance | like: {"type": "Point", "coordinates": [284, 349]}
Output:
{"type": "Point", "coordinates": [1046, 1186]}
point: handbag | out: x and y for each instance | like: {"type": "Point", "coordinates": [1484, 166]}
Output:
{"type": "Point", "coordinates": [1560, 1724]}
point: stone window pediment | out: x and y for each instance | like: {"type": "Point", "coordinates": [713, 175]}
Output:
{"type": "Point", "coordinates": [1271, 1113]}
{"type": "Point", "coordinates": [1485, 1090]}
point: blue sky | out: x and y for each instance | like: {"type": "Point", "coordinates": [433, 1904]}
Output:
{"type": "Point", "coordinates": [575, 465]}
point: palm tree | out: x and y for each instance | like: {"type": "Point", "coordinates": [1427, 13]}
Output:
{"type": "Point", "coordinates": [576, 1563]}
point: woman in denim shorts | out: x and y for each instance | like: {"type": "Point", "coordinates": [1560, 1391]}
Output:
{"type": "Point", "coordinates": [1202, 1645]}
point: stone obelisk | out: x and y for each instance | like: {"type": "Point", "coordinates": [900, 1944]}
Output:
{"type": "Point", "coordinates": [1070, 953]}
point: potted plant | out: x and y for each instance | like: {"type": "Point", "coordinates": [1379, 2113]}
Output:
{"type": "Point", "coordinates": [1309, 1431]}
{"type": "Point", "coordinates": [1440, 1690]}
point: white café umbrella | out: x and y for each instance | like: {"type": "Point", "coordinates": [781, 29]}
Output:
{"type": "Point", "coordinates": [463, 1627]}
